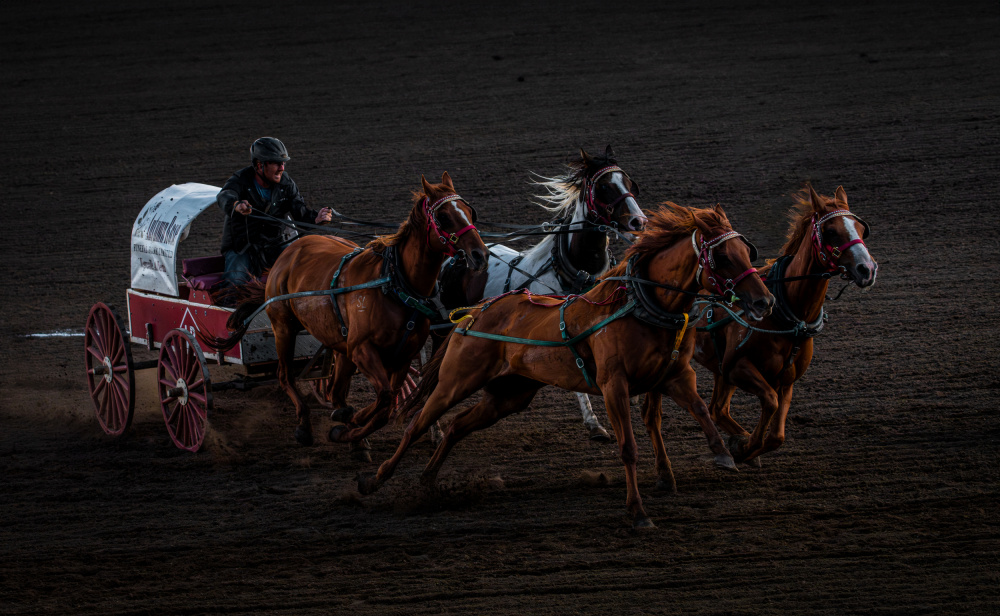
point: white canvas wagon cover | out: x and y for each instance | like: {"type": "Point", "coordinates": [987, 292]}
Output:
{"type": "Point", "coordinates": [161, 225]}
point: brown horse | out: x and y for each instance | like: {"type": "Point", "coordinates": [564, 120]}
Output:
{"type": "Point", "coordinates": [616, 340]}
{"type": "Point", "coordinates": [824, 238]}
{"type": "Point", "coordinates": [379, 329]}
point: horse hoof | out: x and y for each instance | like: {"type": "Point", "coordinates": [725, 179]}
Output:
{"type": "Point", "coordinates": [367, 483]}
{"type": "Point", "coordinates": [599, 434]}
{"type": "Point", "coordinates": [735, 445]}
{"type": "Point", "coordinates": [754, 463]}
{"type": "Point", "coordinates": [643, 522]}
{"type": "Point", "coordinates": [344, 414]}
{"type": "Point", "coordinates": [335, 433]}
{"type": "Point", "coordinates": [666, 486]}
{"type": "Point", "coordinates": [725, 461]}
{"type": "Point", "coordinates": [303, 436]}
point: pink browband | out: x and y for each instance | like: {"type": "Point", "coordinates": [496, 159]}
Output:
{"type": "Point", "coordinates": [591, 200]}
{"type": "Point", "coordinates": [706, 261]}
{"type": "Point", "coordinates": [449, 241]}
{"type": "Point", "coordinates": [819, 244]}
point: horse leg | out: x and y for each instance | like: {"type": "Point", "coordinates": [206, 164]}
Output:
{"type": "Point", "coordinates": [652, 418]}
{"type": "Point", "coordinates": [722, 395]}
{"type": "Point", "coordinates": [366, 357]}
{"type": "Point", "coordinates": [343, 370]}
{"type": "Point", "coordinates": [684, 391]}
{"type": "Point", "coordinates": [501, 398]}
{"type": "Point", "coordinates": [284, 343]}
{"type": "Point", "coordinates": [446, 394]}
{"type": "Point", "coordinates": [776, 431]}
{"type": "Point", "coordinates": [597, 431]}
{"type": "Point", "coordinates": [615, 390]}
{"type": "Point", "coordinates": [746, 376]}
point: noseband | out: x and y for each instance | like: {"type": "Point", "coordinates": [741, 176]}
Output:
{"type": "Point", "coordinates": [602, 211]}
{"type": "Point", "coordinates": [449, 241]}
{"type": "Point", "coordinates": [822, 248]}
{"type": "Point", "coordinates": [706, 261]}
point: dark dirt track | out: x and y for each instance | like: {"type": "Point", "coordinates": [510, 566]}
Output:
{"type": "Point", "coordinates": [882, 501]}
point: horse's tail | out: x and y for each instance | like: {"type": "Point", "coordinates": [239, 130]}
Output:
{"type": "Point", "coordinates": [250, 297]}
{"type": "Point", "coordinates": [428, 381]}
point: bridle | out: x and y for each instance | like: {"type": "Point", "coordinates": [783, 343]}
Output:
{"type": "Point", "coordinates": [821, 248]}
{"type": "Point", "coordinates": [596, 208]}
{"type": "Point", "coordinates": [448, 241]}
{"type": "Point", "coordinates": [706, 262]}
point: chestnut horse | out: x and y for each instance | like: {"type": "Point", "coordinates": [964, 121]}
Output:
{"type": "Point", "coordinates": [368, 305]}
{"type": "Point", "coordinates": [824, 238]}
{"type": "Point", "coordinates": [615, 340]}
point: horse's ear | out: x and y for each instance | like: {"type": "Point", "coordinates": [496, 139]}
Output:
{"type": "Point", "coordinates": [721, 212]}
{"type": "Point", "coordinates": [841, 195]}
{"type": "Point", "coordinates": [609, 154]}
{"type": "Point", "coordinates": [446, 180]}
{"type": "Point", "coordinates": [816, 200]}
{"type": "Point", "coordinates": [584, 156]}
{"type": "Point", "coordinates": [427, 187]}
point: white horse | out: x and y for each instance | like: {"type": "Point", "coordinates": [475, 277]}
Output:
{"type": "Point", "coordinates": [590, 201]}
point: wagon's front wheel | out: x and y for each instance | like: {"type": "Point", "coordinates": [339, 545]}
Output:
{"type": "Point", "coordinates": [110, 373]}
{"type": "Point", "coordinates": [185, 389]}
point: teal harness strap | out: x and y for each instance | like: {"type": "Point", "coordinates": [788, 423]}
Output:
{"type": "Point", "coordinates": [416, 304]}
{"type": "Point", "coordinates": [332, 291]}
{"type": "Point", "coordinates": [566, 340]}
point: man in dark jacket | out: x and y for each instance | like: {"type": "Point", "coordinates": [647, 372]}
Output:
{"type": "Point", "coordinates": [253, 201]}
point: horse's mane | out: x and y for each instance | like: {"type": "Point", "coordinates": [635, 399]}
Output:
{"type": "Point", "coordinates": [665, 226]}
{"type": "Point", "coordinates": [562, 192]}
{"type": "Point", "coordinates": [799, 219]}
{"type": "Point", "coordinates": [405, 230]}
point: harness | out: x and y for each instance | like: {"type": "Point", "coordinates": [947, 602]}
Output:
{"type": "Point", "coordinates": [597, 209]}
{"type": "Point", "coordinates": [821, 248]}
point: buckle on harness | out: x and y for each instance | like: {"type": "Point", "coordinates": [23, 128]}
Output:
{"type": "Point", "coordinates": [343, 332]}
{"type": "Point", "coordinates": [579, 363]}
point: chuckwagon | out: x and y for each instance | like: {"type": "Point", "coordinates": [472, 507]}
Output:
{"type": "Point", "coordinates": [169, 310]}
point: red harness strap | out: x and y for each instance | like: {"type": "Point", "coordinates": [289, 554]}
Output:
{"type": "Point", "coordinates": [830, 261]}
{"type": "Point", "coordinates": [448, 240]}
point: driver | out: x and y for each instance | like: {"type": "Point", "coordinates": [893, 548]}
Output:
{"type": "Point", "coordinates": [252, 243]}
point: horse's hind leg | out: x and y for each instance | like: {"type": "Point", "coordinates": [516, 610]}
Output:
{"type": "Point", "coordinates": [652, 418]}
{"type": "Point", "coordinates": [444, 396]}
{"type": "Point", "coordinates": [366, 357]}
{"type": "Point", "coordinates": [597, 431]}
{"type": "Point", "coordinates": [683, 390]}
{"type": "Point", "coordinates": [284, 343]}
{"type": "Point", "coordinates": [502, 397]}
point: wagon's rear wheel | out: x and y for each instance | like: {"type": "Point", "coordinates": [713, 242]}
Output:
{"type": "Point", "coordinates": [185, 389]}
{"type": "Point", "coordinates": [110, 374]}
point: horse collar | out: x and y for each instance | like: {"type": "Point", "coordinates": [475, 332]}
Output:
{"type": "Point", "coordinates": [807, 330]}
{"type": "Point", "coordinates": [574, 280]}
{"type": "Point", "coordinates": [400, 288]}
{"type": "Point", "coordinates": [646, 308]}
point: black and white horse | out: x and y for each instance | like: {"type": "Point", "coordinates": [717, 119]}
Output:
{"type": "Point", "coordinates": [593, 199]}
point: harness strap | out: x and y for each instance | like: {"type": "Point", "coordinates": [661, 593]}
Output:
{"type": "Point", "coordinates": [566, 340]}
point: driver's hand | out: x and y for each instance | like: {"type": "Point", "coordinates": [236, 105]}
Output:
{"type": "Point", "coordinates": [325, 215]}
{"type": "Point", "coordinates": [242, 207]}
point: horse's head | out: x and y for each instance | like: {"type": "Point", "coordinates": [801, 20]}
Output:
{"type": "Point", "coordinates": [451, 225]}
{"type": "Point", "coordinates": [725, 263]}
{"type": "Point", "coordinates": [609, 193]}
{"type": "Point", "coordinates": [838, 238]}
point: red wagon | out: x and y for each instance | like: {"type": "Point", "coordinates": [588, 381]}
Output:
{"type": "Point", "coordinates": [166, 307]}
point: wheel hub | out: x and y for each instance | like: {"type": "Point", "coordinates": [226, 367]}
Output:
{"type": "Point", "coordinates": [181, 392]}
{"type": "Point", "coordinates": [108, 373]}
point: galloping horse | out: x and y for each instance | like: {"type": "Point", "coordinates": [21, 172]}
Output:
{"type": "Point", "coordinates": [593, 198]}
{"type": "Point", "coordinates": [374, 315]}
{"type": "Point", "coordinates": [824, 238]}
{"type": "Point", "coordinates": [615, 340]}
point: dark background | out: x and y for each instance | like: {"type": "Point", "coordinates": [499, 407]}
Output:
{"type": "Point", "coordinates": [882, 501]}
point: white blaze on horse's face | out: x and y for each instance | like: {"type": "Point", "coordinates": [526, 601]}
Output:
{"type": "Point", "coordinates": [636, 219]}
{"type": "Point", "coordinates": [862, 268]}
{"type": "Point", "coordinates": [459, 212]}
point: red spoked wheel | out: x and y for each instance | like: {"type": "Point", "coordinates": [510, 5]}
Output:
{"type": "Point", "coordinates": [110, 374]}
{"type": "Point", "coordinates": [185, 389]}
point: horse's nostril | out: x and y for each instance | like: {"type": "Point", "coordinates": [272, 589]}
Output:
{"type": "Point", "coordinates": [864, 271]}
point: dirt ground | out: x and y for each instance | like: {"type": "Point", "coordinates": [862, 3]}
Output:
{"type": "Point", "coordinates": [884, 498]}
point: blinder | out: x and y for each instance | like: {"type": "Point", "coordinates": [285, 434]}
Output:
{"type": "Point", "coordinates": [751, 248]}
